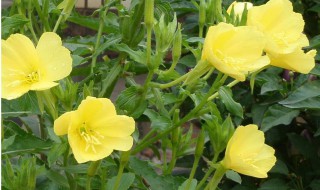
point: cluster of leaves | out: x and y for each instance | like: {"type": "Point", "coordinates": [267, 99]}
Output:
{"type": "Point", "coordinates": [285, 105]}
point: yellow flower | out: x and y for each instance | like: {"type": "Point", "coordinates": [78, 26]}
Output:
{"type": "Point", "coordinates": [95, 130]}
{"type": "Point", "coordinates": [247, 153]}
{"type": "Point", "coordinates": [296, 61]}
{"type": "Point", "coordinates": [238, 7]}
{"type": "Point", "coordinates": [283, 27]}
{"type": "Point", "coordinates": [26, 67]}
{"type": "Point", "coordinates": [235, 51]}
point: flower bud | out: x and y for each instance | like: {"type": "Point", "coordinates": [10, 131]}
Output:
{"type": "Point", "coordinates": [177, 41]}
{"type": "Point", "coordinates": [200, 144]}
{"type": "Point", "coordinates": [202, 12]}
{"type": "Point", "coordinates": [219, 134]}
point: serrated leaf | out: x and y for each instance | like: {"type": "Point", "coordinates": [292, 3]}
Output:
{"type": "Point", "coordinates": [233, 107]}
{"type": "Point", "coordinates": [276, 115]}
{"type": "Point", "coordinates": [155, 181]}
{"type": "Point", "coordinates": [126, 180]}
{"type": "Point", "coordinates": [306, 96]}
{"type": "Point", "coordinates": [234, 176]}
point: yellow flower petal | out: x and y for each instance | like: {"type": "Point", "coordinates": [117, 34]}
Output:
{"type": "Point", "coordinates": [235, 51]}
{"type": "Point", "coordinates": [282, 27]}
{"type": "Point", "coordinates": [56, 60]}
{"type": "Point", "coordinates": [116, 126]}
{"type": "Point", "coordinates": [118, 143]}
{"type": "Point", "coordinates": [247, 153]}
{"type": "Point", "coordinates": [61, 125]}
{"type": "Point", "coordinates": [43, 85]}
{"type": "Point", "coordinates": [297, 61]}
{"type": "Point", "coordinates": [94, 109]}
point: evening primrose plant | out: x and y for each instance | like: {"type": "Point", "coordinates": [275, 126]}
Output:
{"type": "Point", "coordinates": [172, 95]}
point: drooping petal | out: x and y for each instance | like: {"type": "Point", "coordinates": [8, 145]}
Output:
{"type": "Point", "coordinates": [118, 143]}
{"type": "Point", "coordinates": [296, 61]}
{"type": "Point", "coordinates": [55, 60]}
{"type": "Point", "coordinates": [61, 125]}
{"type": "Point", "coordinates": [116, 126]}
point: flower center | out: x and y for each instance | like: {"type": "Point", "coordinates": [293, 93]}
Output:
{"type": "Point", "coordinates": [236, 63]}
{"type": "Point", "coordinates": [32, 77]}
{"type": "Point", "coordinates": [91, 137]}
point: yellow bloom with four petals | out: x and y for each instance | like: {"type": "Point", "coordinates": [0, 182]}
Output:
{"type": "Point", "coordinates": [235, 51]}
{"type": "Point", "coordinates": [26, 67]}
{"type": "Point", "coordinates": [247, 153]}
{"type": "Point", "coordinates": [94, 130]}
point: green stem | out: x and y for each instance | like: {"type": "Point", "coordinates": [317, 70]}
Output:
{"type": "Point", "coordinates": [123, 161]}
{"type": "Point", "coordinates": [208, 173]}
{"type": "Point", "coordinates": [56, 26]}
{"type": "Point", "coordinates": [231, 84]}
{"type": "Point", "coordinates": [41, 16]}
{"type": "Point", "coordinates": [118, 179]}
{"type": "Point", "coordinates": [216, 178]}
{"type": "Point", "coordinates": [190, 115]}
{"type": "Point", "coordinates": [148, 60]}
{"type": "Point", "coordinates": [94, 166]}
{"type": "Point", "coordinates": [101, 26]}
{"type": "Point", "coordinates": [30, 25]}
{"type": "Point", "coordinates": [172, 83]}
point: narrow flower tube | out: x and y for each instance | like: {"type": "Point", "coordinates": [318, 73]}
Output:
{"type": "Point", "coordinates": [235, 51]}
{"type": "Point", "coordinates": [247, 153]}
{"type": "Point", "coordinates": [26, 67]}
{"type": "Point", "coordinates": [94, 130]}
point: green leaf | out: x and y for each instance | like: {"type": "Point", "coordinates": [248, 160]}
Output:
{"type": "Point", "coordinates": [157, 121]}
{"type": "Point", "coordinates": [155, 181]}
{"type": "Point", "coordinates": [276, 115]}
{"type": "Point", "coordinates": [132, 101]}
{"type": "Point", "coordinates": [57, 178]}
{"type": "Point", "coordinates": [25, 142]}
{"type": "Point", "coordinates": [26, 104]}
{"type": "Point", "coordinates": [111, 40]}
{"type": "Point", "coordinates": [126, 180]}
{"type": "Point", "coordinates": [315, 184]}
{"type": "Point", "coordinates": [93, 23]}
{"type": "Point", "coordinates": [56, 151]}
{"type": "Point", "coordinates": [274, 184]}
{"type": "Point", "coordinates": [137, 56]}
{"type": "Point", "coordinates": [192, 186]}
{"type": "Point", "coordinates": [234, 176]}
{"type": "Point", "coordinates": [280, 168]}
{"type": "Point", "coordinates": [303, 145]}
{"type": "Point", "coordinates": [316, 70]}
{"type": "Point", "coordinates": [306, 96]}
{"type": "Point", "coordinates": [226, 97]}
{"type": "Point", "coordinates": [13, 22]}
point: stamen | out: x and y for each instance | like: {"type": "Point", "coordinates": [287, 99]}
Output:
{"type": "Point", "coordinates": [91, 137]}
